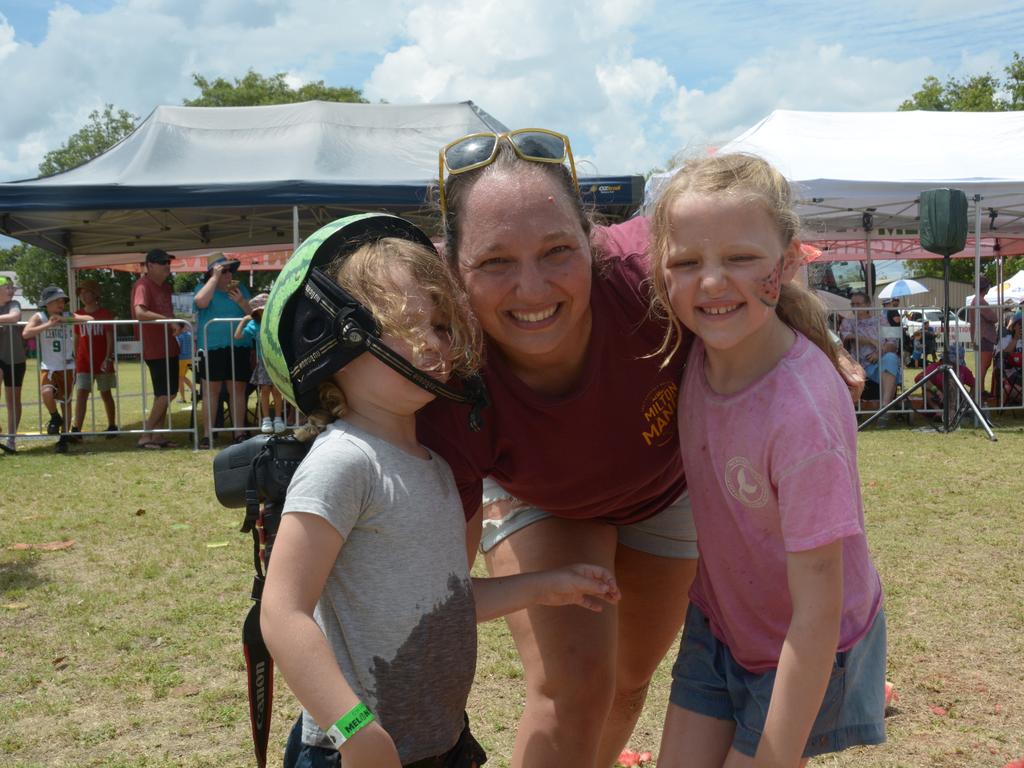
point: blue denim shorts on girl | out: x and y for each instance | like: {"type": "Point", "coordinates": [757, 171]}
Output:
{"type": "Point", "coordinates": [706, 679]}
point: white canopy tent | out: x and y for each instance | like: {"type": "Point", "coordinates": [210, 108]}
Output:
{"type": "Point", "coordinates": [858, 175]}
{"type": "Point", "coordinates": [847, 164]}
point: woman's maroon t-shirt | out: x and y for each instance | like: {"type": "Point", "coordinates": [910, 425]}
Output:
{"type": "Point", "coordinates": [608, 450]}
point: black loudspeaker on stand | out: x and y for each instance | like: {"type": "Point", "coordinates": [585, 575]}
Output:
{"type": "Point", "coordinates": [943, 231]}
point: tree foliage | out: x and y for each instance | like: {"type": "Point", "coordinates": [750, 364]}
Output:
{"type": "Point", "coordinates": [978, 93]}
{"type": "Point", "coordinates": [255, 89]}
{"type": "Point", "coordinates": [102, 131]}
{"type": "Point", "coordinates": [37, 268]}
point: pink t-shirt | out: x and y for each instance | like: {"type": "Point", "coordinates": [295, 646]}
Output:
{"type": "Point", "coordinates": [773, 469]}
{"type": "Point", "coordinates": [607, 450]}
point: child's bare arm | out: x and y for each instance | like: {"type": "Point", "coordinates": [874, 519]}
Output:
{"type": "Point", "coordinates": [36, 325]}
{"type": "Point", "coordinates": [304, 551]}
{"type": "Point", "coordinates": [808, 653]}
{"type": "Point", "coordinates": [589, 586]}
{"type": "Point", "coordinates": [240, 328]}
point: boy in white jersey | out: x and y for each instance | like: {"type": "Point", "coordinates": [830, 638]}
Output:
{"type": "Point", "coordinates": [56, 344]}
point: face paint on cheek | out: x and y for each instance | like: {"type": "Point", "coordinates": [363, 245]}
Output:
{"type": "Point", "coordinates": [769, 288]}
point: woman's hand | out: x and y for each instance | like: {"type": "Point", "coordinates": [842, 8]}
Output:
{"type": "Point", "coordinates": [589, 586]}
{"type": "Point", "coordinates": [370, 747]}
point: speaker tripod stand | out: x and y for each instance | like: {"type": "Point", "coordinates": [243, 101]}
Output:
{"type": "Point", "coordinates": [950, 379]}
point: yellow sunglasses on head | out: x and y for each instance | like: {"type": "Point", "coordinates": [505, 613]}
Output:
{"type": "Point", "coordinates": [538, 145]}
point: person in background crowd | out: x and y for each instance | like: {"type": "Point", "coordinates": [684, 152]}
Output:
{"type": "Point", "coordinates": [152, 300]}
{"type": "Point", "coordinates": [249, 328]}
{"type": "Point", "coordinates": [94, 357]}
{"type": "Point", "coordinates": [984, 334]}
{"type": "Point", "coordinates": [862, 336]}
{"type": "Point", "coordinates": [220, 297]}
{"type": "Point", "coordinates": [184, 337]}
{"type": "Point", "coordinates": [12, 360]}
{"type": "Point", "coordinates": [56, 359]}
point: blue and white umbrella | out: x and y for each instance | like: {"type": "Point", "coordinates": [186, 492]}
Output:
{"type": "Point", "coordinates": [904, 287]}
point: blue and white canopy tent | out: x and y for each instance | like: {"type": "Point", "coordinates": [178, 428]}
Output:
{"type": "Point", "coordinates": [190, 179]}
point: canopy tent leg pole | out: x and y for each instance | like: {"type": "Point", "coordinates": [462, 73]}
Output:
{"type": "Point", "coordinates": [979, 386]}
{"type": "Point", "coordinates": [295, 228]}
{"type": "Point", "coordinates": [869, 283]}
{"type": "Point", "coordinates": [72, 283]}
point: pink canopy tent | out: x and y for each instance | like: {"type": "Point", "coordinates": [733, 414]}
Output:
{"type": "Point", "coordinates": [252, 260]}
{"type": "Point", "coordinates": [910, 248]}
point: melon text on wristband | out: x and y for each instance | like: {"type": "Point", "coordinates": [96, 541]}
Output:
{"type": "Point", "coordinates": [349, 723]}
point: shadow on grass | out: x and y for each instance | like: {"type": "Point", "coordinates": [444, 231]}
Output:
{"type": "Point", "coordinates": [18, 573]}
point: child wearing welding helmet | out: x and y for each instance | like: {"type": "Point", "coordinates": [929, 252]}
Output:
{"type": "Point", "coordinates": [369, 610]}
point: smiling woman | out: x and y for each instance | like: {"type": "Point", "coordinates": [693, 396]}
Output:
{"type": "Point", "coordinates": [578, 458]}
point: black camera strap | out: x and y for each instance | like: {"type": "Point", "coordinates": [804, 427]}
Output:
{"type": "Point", "coordinates": [259, 664]}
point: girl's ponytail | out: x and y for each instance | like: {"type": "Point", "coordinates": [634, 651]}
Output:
{"type": "Point", "coordinates": [802, 311]}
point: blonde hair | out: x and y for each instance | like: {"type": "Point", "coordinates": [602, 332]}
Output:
{"type": "Point", "coordinates": [754, 180]}
{"type": "Point", "coordinates": [369, 274]}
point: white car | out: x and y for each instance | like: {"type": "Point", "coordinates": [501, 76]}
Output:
{"type": "Point", "coordinates": [959, 330]}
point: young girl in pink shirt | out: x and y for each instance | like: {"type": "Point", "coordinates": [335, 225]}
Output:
{"type": "Point", "coordinates": [783, 652]}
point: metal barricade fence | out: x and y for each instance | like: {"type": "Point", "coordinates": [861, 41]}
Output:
{"type": "Point", "coordinates": [909, 342]}
{"type": "Point", "coordinates": [240, 411]}
{"type": "Point", "coordinates": [123, 353]}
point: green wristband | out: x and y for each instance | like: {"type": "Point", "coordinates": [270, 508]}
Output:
{"type": "Point", "coordinates": [349, 724]}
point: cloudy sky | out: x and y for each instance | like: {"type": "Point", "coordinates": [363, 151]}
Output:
{"type": "Point", "coordinates": [631, 81]}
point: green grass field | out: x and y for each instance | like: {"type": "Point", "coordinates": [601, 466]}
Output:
{"type": "Point", "coordinates": [124, 648]}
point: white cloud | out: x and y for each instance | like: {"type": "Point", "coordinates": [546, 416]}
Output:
{"type": "Point", "coordinates": [139, 54]}
{"type": "Point", "coordinates": [631, 81]}
{"type": "Point", "coordinates": [809, 77]}
{"type": "Point", "coordinates": [7, 44]}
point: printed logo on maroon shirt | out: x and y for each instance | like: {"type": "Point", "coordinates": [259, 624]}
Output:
{"type": "Point", "coordinates": [659, 413]}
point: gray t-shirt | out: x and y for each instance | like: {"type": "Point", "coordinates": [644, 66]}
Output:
{"type": "Point", "coordinates": [397, 608]}
{"type": "Point", "coordinates": [12, 348]}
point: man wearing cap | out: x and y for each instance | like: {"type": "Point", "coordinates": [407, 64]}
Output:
{"type": "Point", "coordinates": [56, 358]}
{"type": "Point", "coordinates": [94, 356]}
{"type": "Point", "coordinates": [12, 359]}
{"type": "Point", "coordinates": [151, 300]}
{"type": "Point", "coordinates": [225, 360]}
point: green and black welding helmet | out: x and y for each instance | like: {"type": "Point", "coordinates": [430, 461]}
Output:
{"type": "Point", "coordinates": [312, 327]}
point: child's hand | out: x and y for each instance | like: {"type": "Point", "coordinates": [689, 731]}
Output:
{"type": "Point", "coordinates": [371, 747]}
{"type": "Point", "coordinates": [589, 586]}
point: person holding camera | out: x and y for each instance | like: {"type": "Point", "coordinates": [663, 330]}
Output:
{"type": "Point", "coordinates": [225, 361]}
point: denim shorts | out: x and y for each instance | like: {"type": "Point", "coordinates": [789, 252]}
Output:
{"type": "Point", "coordinates": [706, 679]}
{"type": "Point", "coordinates": [670, 533]}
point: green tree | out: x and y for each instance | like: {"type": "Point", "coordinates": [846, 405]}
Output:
{"type": "Point", "coordinates": [255, 89]}
{"type": "Point", "coordinates": [100, 133]}
{"type": "Point", "coordinates": [978, 93]}
{"type": "Point", "coordinates": [37, 269]}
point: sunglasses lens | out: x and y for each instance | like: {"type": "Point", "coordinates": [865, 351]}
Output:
{"type": "Point", "coordinates": [468, 152]}
{"type": "Point", "coordinates": [539, 145]}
